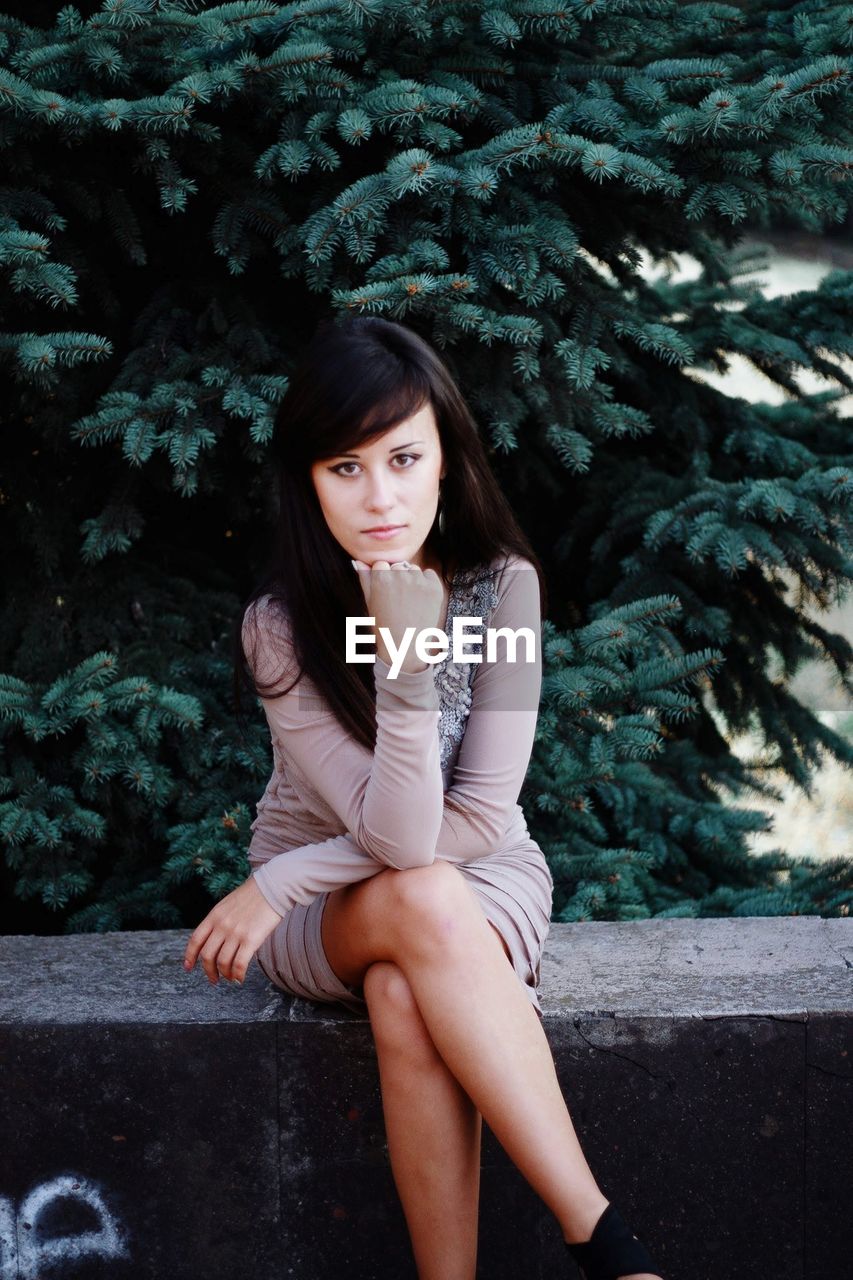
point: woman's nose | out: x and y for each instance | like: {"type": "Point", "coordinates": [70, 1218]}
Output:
{"type": "Point", "coordinates": [379, 493]}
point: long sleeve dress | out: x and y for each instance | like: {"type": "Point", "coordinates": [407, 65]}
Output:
{"type": "Point", "coordinates": [453, 743]}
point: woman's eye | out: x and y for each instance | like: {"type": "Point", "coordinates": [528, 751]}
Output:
{"type": "Point", "coordinates": [339, 469]}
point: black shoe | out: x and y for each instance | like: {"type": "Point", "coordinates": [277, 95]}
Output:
{"type": "Point", "coordinates": [612, 1250]}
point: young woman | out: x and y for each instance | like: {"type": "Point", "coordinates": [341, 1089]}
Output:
{"type": "Point", "coordinates": [392, 869]}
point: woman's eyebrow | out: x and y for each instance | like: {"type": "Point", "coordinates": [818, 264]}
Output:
{"type": "Point", "coordinates": [394, 450]}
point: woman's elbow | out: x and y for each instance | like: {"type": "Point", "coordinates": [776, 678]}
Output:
{"type": "Point", "coordinates": [399, 854]}
{"type": "Point", "coordinates": [475, 836]}
{"type": "Point", "coordinates": [409, 858]}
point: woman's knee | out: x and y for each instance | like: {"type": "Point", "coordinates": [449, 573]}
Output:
{"type": "Point", "coordinates": [385, 983]}
{"type": "Point", "coordinates": [434, 883]}
{"type": "Point", "coordinates": [395, 1017]}
{"type": "Point", "coordinates": [396, 908]}
{"type": "Point", "coordinates": [430, 890]}
{"type": "Point", "coordinates": [394, 891]}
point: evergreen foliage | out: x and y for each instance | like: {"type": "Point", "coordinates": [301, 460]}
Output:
{"type": "Point", "coordinates": [187, 188]}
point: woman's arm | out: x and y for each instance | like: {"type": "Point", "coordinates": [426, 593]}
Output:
{"type": "Point", "coordinates": [479, 804]}
{"type": "Point", "coordinates": [498, 740]}
{"type": "Point", "coordinates": [389, 799]}
{"type": "Point", "coordinates": [301, 874]}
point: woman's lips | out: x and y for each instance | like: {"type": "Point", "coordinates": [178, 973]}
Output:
{"type": "Point", "coordinates": [384, 533]}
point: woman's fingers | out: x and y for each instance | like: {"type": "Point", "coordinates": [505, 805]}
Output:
{"type": "Point", "coordinates": [361, 567]}
{"type": "Point", "coordinates": [231, 933]}
{"type": "Point", "coordinates": [209, 954]}
{"type": "Point", "coordinates": [204, 944]}
{"type": "Point", "coordinates": [240, 962]}
{"type": "Point", "coordinates": [197, 940]}
{"type": "Point", "coordinates": [225, 958]}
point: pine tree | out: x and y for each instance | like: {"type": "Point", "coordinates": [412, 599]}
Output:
{"type": "Point", "coordinates": [188, 187]}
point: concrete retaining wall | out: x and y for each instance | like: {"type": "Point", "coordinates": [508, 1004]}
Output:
{"type": "Point", "coordinates": [156, 1126]}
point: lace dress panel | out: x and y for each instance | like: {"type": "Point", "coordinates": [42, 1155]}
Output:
{"type": "Point", "coordinates": [471, 595]}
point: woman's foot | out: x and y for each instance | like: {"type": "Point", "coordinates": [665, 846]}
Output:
{"type": "Point", "coordinates": [608, 1247]}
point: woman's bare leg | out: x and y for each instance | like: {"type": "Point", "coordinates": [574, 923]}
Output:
{"type": "Point", "coordinates": [433, 1131]}
{"type": "Point", "coordinates": [429, 922]}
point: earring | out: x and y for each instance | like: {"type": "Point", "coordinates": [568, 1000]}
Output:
{"type": "Point", "coordinates": [441, 519]}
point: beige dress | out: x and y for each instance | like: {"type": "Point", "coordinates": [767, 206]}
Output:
{"type": "Point", "coordinates": [335, 812]}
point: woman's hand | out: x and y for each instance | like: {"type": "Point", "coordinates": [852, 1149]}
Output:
{"type": "Point", "coordinates": [410, 597]}
{"type": "Point", "coordinates": [231, 933]}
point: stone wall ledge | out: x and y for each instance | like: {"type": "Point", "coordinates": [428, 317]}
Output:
{"type": "Point", "coordinates": [158, 1126]}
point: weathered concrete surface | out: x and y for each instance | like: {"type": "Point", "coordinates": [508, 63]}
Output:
{"type": "Point", "coordinates": [156, 1126]}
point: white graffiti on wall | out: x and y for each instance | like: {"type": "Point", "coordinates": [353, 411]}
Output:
{"type": "Point", "coordinates": [24, 1251]}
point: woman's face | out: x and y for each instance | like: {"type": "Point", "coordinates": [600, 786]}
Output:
{"type": "Point", "coordinates": [393, 480]}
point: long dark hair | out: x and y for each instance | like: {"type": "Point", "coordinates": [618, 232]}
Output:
{"type": "Point", "coordinates": [359, 377]}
